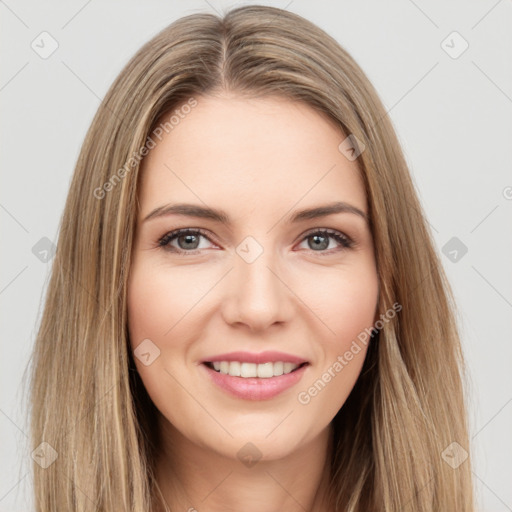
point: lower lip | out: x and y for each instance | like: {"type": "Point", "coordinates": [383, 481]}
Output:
{"type": "Point", "coordinates": [254, 388]}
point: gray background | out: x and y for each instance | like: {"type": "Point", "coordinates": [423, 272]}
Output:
{"type": "Point", "coordinates": [452, 115]}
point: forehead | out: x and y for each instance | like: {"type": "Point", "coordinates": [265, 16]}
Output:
{"type": "Point", "coordinates": [265, 153]}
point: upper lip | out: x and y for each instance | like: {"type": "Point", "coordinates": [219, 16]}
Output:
{"type": "Point", "coordinates": [258, 358]}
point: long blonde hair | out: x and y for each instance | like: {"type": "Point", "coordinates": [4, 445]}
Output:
{"type": "Point", "coordinates": [87, 400]}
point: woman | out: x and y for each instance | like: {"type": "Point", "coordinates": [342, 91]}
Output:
{"type": "Point", "coordinates": [302, 353]}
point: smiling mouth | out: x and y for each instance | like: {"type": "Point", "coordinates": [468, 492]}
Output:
{"type": "Point", "coordinates": [251, 370]}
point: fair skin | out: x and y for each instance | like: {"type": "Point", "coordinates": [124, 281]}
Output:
{"type": "Point", "coordinates": [260, 161]}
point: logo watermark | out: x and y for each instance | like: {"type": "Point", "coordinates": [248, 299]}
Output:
{"type": "Point", "coordinates": [304, 397]}
{"type": "Point", "coordinates": [171, 123]}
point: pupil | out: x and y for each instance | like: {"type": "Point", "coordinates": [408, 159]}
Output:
{"type": "Point", "coordinates": [323, 245]}
{"type": "Point", "coordinates": [188, 240]}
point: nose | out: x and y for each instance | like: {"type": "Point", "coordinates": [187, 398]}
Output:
{"type": "Point", "coordinates": [257, 294]}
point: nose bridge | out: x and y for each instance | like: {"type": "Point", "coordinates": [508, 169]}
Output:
{"type": "Point", "coordinates": [259, 297]}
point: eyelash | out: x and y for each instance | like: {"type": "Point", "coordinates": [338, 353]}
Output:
{"type": "Point", "coordinates": [164, 242]}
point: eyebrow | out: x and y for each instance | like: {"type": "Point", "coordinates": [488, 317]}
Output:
{"type": "Point", "coordinates": [218, 215]}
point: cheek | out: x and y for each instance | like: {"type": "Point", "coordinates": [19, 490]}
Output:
{"type": "Point", "coordinates": [354, 308]}
{"type": "Point", "coordinates": [164, 305]}
{"type": "Point", "coordinates": [159, 298]}
{"type": "Point", "coordinates": [344, 301]}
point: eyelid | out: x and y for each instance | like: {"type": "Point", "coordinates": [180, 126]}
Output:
{"type": "Point", "coordinates": [330, 231]}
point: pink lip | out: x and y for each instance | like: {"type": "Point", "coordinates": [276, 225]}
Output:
{"type": "Point", "coordinates": [255, 388]}
{"type": "Point", "coordinates": [262, 357]}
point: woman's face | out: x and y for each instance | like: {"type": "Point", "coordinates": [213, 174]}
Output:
{"type": "Point", "coordinates": [259, 283]}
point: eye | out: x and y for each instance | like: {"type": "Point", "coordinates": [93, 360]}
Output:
{"type": "Point", "coordinates": [188, 240]}
{"type": "Point", "coordinates": [321, 239]}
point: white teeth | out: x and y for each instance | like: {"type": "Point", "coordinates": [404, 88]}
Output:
{"type": "Point", "coordinates": [246, 370]}
{"type": "Point", "coordinates": [234, 369]}
{"type": "Point", "coordinates": [278, 368]}
{"type": "Point", "coordinates": [288, 367]}
{"type": "Point", "coordinates": [265, 370]}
